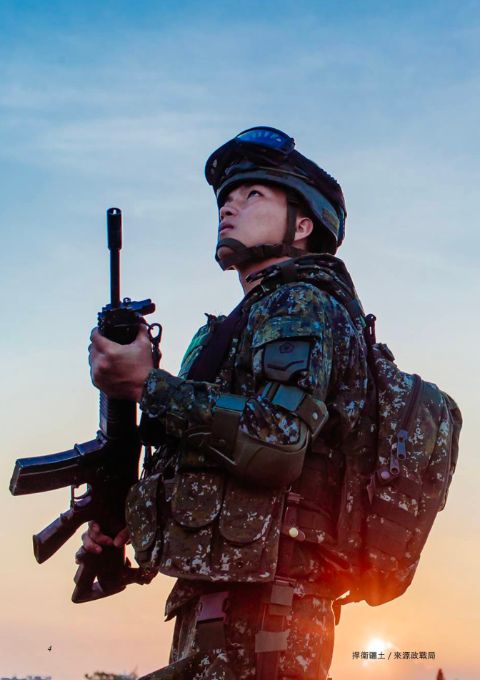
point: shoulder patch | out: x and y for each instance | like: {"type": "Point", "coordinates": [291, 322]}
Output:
{"type": "Point", "coordinates": [282, 359]}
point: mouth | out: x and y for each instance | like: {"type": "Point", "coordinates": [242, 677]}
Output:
{"type": "Point", "coordinates": [224, 227]}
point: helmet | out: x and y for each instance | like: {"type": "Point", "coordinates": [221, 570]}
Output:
{"type": "Point", "coordinates": [267, 155]}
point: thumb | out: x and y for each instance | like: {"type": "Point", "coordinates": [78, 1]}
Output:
{"type": "Point", "coordinates": [121, 538]}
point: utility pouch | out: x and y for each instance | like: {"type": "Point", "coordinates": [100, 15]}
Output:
{"type": "Point", "coordinates": [194, 505]}
{"type": "Point", "coordinates": [249, 530]}
{"type": "Point", "coordinates": [143, 513]}
{"type": "Point", "coordinates": [220, 530]}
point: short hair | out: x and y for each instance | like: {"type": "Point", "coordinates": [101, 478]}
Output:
{"type": "Point", "coordinates": [320, 240]}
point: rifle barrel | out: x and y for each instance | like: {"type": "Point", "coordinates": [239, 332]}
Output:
{"type": "Point", "coordinates": [114, 239]}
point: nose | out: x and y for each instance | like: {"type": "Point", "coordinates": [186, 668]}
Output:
{"type": "Point", "coordinates": [227, 209]}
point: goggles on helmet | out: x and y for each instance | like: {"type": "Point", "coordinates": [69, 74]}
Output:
{"type": "Point", "coordinates": [258, 144]}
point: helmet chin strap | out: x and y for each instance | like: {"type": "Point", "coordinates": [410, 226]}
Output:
{"type": "Point", "coordinates": [242, 254]}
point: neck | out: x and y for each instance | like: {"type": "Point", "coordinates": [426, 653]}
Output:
{"type": "Point", "coordinates": [253, 267]}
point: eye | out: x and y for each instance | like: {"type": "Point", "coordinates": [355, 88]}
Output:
{"type": "Point", "coordinates": [254, 192]}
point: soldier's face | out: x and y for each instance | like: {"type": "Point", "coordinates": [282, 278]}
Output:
{"type": "Point", "coordinates": [254, 214]}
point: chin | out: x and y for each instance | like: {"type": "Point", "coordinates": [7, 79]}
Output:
{"type": "Point", "coordinates": [224, 250]}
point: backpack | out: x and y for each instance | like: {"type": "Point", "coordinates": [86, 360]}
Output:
{"type": "Point", "coordinates": [392, 505]}
{"type": "Point", "coordinates": [418, 428]}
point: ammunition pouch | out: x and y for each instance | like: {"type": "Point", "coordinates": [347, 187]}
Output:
{"type": "Point", "coordinates": [144, 518]}
{"type": "Point", "coordinates": [204, 524]}
{"type": "Point", "coordinates": [199, 525]}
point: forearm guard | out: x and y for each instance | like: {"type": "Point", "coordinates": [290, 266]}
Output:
{"type": "Point", "coordinates": [256, 461]}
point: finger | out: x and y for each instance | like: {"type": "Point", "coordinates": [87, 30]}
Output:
{"type": "Point", "coordinates": [121, 538]}
{"type": "Point", "coordinates": [96, 534]}
{"type": "Point", "coordinates": [103, 539]}
{"type": "Point", "coordinates": [100, 342]}
{"type": "Point", "coordinates": [90, 545]}
{"type": "Point", "coordinates": [80, 555]}
{"type": "Point", "coordinates": [142, 337]}
{"type": "Point", "coordinates": [93, 528]}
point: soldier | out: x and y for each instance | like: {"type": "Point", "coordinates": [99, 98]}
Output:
{"type": "Point", "coordinates": [241, 498]}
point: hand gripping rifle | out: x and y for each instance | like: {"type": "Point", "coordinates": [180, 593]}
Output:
{"type": "Point", "coordinates": [108, 464]}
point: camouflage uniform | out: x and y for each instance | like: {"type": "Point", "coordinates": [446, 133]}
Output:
{"type": "Point", "coordinates": [232, 544]}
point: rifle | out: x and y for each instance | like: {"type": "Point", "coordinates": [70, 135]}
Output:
{"type": "Point", "coordinates": [108, 464]}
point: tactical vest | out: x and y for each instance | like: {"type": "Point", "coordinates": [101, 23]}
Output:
{"type": "Point", "coordinates": [203, 524]}
{"type": "Point", "coordinates": [358, 516]}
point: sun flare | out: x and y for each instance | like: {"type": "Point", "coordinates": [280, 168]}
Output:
{"type": "Point", "coordinates": [378, 644]}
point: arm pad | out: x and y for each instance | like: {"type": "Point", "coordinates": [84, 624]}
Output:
{"type": "Point", "coordinates": [253, 460]}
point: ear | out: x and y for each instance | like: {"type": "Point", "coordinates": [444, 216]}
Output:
{"type": "Point", "coordinates": [303, 228]}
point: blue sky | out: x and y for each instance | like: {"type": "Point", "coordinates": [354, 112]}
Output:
{"type": "Point", "coordinates": [120, 103]}
{"type": "Point", "coordinates": [111, 100]}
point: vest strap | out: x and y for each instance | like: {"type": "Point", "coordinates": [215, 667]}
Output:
{"type": "Point", "coordinates": [271, 638]}
{"type": "Point", "coordinates": [211, 617]}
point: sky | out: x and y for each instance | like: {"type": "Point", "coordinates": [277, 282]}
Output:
{"type": "Point", "coordinates": [119, 104]}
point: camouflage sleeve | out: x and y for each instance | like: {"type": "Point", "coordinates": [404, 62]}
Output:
{"type": "Point", "coordinates": [337, 371]}
{"type": "Point", "coordinates": [293, 311]}
{"type": "Point", "coordinates": [177, 403]}
{"type": "Point", "coordinates": [298, 311]}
